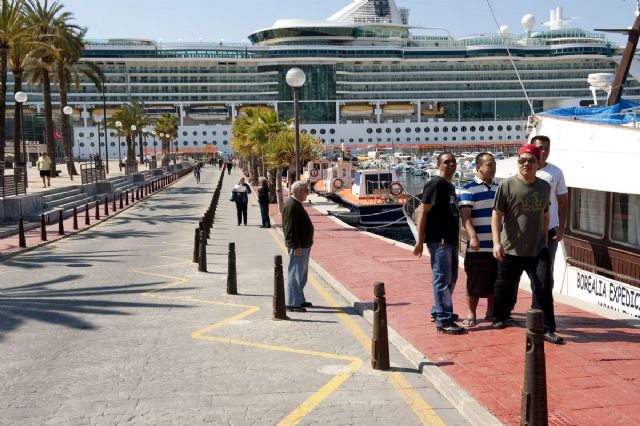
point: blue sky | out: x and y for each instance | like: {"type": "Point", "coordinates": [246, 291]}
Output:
{"type": "Point", "coordinates": [233, 20]}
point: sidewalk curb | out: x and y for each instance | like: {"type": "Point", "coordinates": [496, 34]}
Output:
{"type": "Point", "coordinates": [468, 407]}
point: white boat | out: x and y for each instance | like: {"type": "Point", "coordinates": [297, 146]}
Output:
{"type": "Point", "coordinates": [316, 170]}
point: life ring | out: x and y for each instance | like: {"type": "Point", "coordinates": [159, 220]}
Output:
{"type": "Point", "coordinates": [337, 183]}
{"type": "Point", "coordinates": [396, 188]}
{"type": "Point", "coordinates": [313, 173]}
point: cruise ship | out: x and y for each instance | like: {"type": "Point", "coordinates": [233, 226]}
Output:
{"type": "Point", "coordinates": [373, 80]}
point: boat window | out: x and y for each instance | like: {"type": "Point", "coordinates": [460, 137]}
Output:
{"type": "Point", "coordinates": [587, 207]}
{"type": "Point", "coordinates": [625, 219]}
{"type": "Point", "coordinates": [81, 134]}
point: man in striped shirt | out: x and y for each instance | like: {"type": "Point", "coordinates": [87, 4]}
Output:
{"type": "Point", "coordinates": [476, 205]}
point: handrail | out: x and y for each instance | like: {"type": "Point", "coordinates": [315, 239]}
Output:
{"type": "Point", "coordinates": [573, 262]}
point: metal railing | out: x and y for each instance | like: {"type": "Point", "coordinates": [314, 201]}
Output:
{"type": "Point", "coordinates": [130, 167]}
{"type": "Point", "coordinates": [92, 172]}
{"type": "Point", "coordinates": [13, 184]}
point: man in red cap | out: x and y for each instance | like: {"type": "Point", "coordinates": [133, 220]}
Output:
{"type": "Point", "coordinates": [519, 224]}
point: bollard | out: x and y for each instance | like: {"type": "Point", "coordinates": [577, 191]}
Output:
{"type": "Point", "coordinates": [106, 205]}
{"type": "Point", "coordinates": [201, 228]}
{"type": "Point", "coordinates": [380, 339]}
{"type": "Point", "coordinates": [22, 241]}
{"type": "Point", "coordinates": [43, 228]}
{"type": "Point", "coordinates": [196, 246]}
{"type": "Point", "coordinates": [133, 200]}
{"type": "Point", "coordinates": [60, 224]}
{"type": "Point", "coordinates": [121, 206]}
{"type": "Point", "coordinates": [279, 307]}
{"type": "Point", "coordinates": [113, 204]}
{"type": "Point", "coordinates": [126, 197]}
{"type": "Point", "coordinates": [232, 277]}
{"type": "Point", "coordinates": [75, 218]}
{"type": "Point", "coordinates": [97, 209]}
{"type": "Point", "coordinates": [533, 405]}
{"type": "Point", "coordinates": [86, 215]}
{"type": "Point", "coordinates": [202, 258]}
{"type": "Point", "coordinates": [138, 193]}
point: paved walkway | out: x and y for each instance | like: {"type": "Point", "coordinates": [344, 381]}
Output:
{"type": "Point", "coordinates": [594, 379]}
{"type": "Point", "coordinates": [115, 325]}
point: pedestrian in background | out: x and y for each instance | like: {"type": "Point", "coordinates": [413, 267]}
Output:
{"type": "Point", "coordinates": [241, 197]}
{"type": "Point", "coordinates": [263, 201]}
{"type": "Point", "coordinates": [229, 166]}
{"type": "Point", "coordinates": [44, 167]}
{"type": "Point", "coordinates": [298, 237]}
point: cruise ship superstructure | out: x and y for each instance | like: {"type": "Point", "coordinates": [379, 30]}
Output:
{"type": "Point", "coordinates": [372, 80]}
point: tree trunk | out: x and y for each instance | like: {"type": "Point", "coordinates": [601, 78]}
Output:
{"type": "Point", "coordinates": [48, 120]}
{"type": "Point", "coordinates": [271, 179]}
{"type": "Point", "coordinates": [64, 124]}
{"type": "Point", "coordinates": [131, 152]}
{"type": "Point", "coordinates": [254, 170]}
{"type": "Point", "coordinates": [17, 119]}
{"type": "Point", "coordinates": [141, 148]}
{"type": "Point", "coordinates": [3, 97]}
{"type": "Point", "coordinates": [279, 196]}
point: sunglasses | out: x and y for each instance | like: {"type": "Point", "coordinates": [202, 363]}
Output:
{"type": "Point", "coordinates": [527, 160]}
{"type": "Point", "coordinates": [447, 162]}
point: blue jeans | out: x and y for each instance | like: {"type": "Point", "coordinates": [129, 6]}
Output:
{"type": "Point", "coordinates": [444, 266]}
{"type": "Point", "coordinates": [297, 277]}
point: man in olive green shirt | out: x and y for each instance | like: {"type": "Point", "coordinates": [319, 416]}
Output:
{"type": "Point", "coordinates": [519, 229]}
{"type": "Point", "coordinates": [44, 167]}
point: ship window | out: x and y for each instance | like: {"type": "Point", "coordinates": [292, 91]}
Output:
{"type": "Point", "coordinates": [388, 130]}
{"type": "Point", "coordinates": [378, 130]}
{"type": "Point", "coordinates": [436, 129]}
{"type": "Point", "coordinates": [333, 131]}
{"type": "Point", "coordinates": [369, 130]}
{"type": "Point", "coordinates": [92, 144]}
{"type": "Point", "coordinates": [490, 128]}
{"type": "Point", "coordinates": [408, 130]}
{"type": "Point", "coordinates": [91, 134]}
{"type": "Point", "coordinates": [313, 131]}
{"type": "Point", "coordinates": [323, 131]}
{"type": "Point", "coordinates": [398, 130]}
{"type": "Point", "coordinates": [195, 133]}
{"type": "Point", "coordinates": [195, 143]}
{"type": "Point", "coordinates": [370, 139]}
{"type": "Point", "coordinates": [481, 128]}
{"type": "Point", "coordinates": [224, 142]}
{"type": "Point", "coordinates": [418, 129]}
{"type": "Point", "coordinates": [113, 144]}
{"type": "Point", "coordinates": [500, 128]}
{"type": "Point", "coordinates": [81, 134]}
{"type": "Point", "coordinates": [463, 128]}
{"type": "Point", "coordinates": [587, 206]}
{"type": "Point", "coordinates": [625, 218]}
{"type": "Point", "coordinates": [215, 142]}
{"type": "Point", "coordinates": [454, 129]}
{"type": "Point", "coordinates": [81, 144]}
{"type": "Point", "coordinates": [204, 133]}
{"type": "Point", "coordinates": [184, 133]}
{"type": "Point", "coordinates": [472, 128]}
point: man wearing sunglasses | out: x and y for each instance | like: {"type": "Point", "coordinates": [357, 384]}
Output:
{"type": "Point", "coordinates": [438, 227]}
{"type": "Point", "coordinates": [519, 224]}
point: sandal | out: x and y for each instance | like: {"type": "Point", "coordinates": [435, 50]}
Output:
{"type": "Point", "coordinates": [469, 322]}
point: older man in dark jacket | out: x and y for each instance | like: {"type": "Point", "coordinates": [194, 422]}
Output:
{"type": "Point", "coordinates": [298, 235]}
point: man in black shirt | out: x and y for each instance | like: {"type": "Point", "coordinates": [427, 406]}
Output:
{"type": "Point", "coordinates": [438, 228]}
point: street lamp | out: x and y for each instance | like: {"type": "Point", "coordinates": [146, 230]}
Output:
{"type": "Point", "coordinates": [153, 132]}
{"type": "Point", "coordinates": [119, 126]}
{"type": "Point", "coordinates": [67, 110]}
{"type": "Point", "coordinates": [133, 142]}
{"type": "Point", "coordinates": [21, 98]}
{"type": "Point", "coordinates": [295, 79]}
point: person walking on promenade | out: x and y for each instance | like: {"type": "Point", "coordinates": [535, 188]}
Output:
{"type": "Point", "coordinates": [438, 227]}
{"type": "Point", "coordinates": [263, 200]}
{"type": "Point", "coordinates": [519, 230]}
{"type": "Point", "coordinates": [229, 166]}
{"type": "Point", "coordinates": [559, 198]}
{"type": "Point", "coordinates": [241, 197]}
{"type": "Point", "coordinates": [196, 172]}
{"type": "Point", "coordinates": [220, 163]}
{"type": "Point", "coordinates": [476, 205]}
{"type": "Point", "coordinates": [44, 167]}
{"type": "Point", "coordinates": [298, 237]}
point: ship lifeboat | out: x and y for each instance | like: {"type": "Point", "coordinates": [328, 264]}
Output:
{"type": "Point", "coordinates": [156, 111]}
{"type": "Point", "coordinates": [209, 112]}
{"type": "Point", "coordinates": [398, 109]}
{"type": "Point", "coordinates": [432, 111]}
{"type": "Point", "coordinates": [356, 110]}
{"type": "Point", "coordinates": [97, 113]}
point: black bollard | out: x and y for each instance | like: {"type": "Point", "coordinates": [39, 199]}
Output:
{"type": "Point", "coordinates": [533, 405]}
{"type": "Point", "coordinates": [97, 209]}
{"type": "Point", "coordinates": [138, 193]}
{"type": "Point", "coordinates": [279, 307]}
{"type": "Point", "coordinates": [113, 204]}
{"type": "Point", "coordinates": [126, 197]}
{"type": "Point", "coordinates": [75, 218]}
{"type": "Point", "coordinates": [106, 205]}
{"type": "Point", "coordinates": [196, 246]}
{"type": "Point", "coordinates": [22, 241]}
{"type": "Point", "coordinates": [121, 206]}
{"type": "Point", "coordinates": [232, 276]}
{"type": "Point", "coordinates": [380, 339]}
{"type": "Point", "coordinates": [86, 215]}
{"type": "Point", "coordinates": [60, 224]}
{"type": "Point", "coordinates": [43, 228]}
{"type": "Point", "coordinates": [202, 258]}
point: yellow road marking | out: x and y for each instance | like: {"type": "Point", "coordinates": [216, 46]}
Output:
{"type": "Point", "coordinates": [418, 405]}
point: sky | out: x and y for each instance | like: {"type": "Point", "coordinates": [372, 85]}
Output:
{"type": "Point", "coordinates": [232, 20]}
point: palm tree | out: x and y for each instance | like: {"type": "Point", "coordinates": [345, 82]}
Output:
{"type": "Point", "coordinates": [47, 18]}
{"type": "Point", "coordinates": [167, 124]}
{"type": "Point", "coordinates": [12, 28]}
{"type": "Point", "coordinates": [131, 114]}
{"type": "Point", "coordinates": [69, 43]}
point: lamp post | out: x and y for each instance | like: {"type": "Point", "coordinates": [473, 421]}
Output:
{"type": "Point", "coordinates": [119, 126]}
{"type": "Point", "coordinates": [21, 98]}
{"type": "Point", "coordinates": [67, 110]}
{"type": "Point", "coordinates": [153, 133]}
{"type": "Point", "coordinates": [162, 144]}
{"type": "Point", "coordinates": [133, 141]}
{"type": "Point", "coordinates": [295, 79]}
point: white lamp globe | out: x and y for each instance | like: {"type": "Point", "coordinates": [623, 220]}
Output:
{"type": "Point", "coordinates": [67, 110]}
{"type": "Point", "coordinates": [118, 124]}
{"type": "Point", "coordinates": [133, 127]}
{"type": "Point", "coordinates": [296, 77]}
{"type": "Point", "coordinates": [21, 97]}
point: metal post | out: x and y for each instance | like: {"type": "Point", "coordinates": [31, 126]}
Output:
{"type": "Point", "coordinates": [121, 206]}
{"type": "Point", "coordinates": [113, 204]}
{"type": "Point", "coordinates": [202, 258]}
{"type": "Point", "coordinates": [106, 205]}
{"type": "Point", "coordinates": [106, 131]}
{"type": "Point", "coordinates": [60, 223]}
{"type": "Point", "coordinates": [533, 405]}
{"type": "Point", "coordinates": [22, 242]}
{"type": "Point", "coordinates": [232, 279]}
{"type": "Point", "coordinates": [296, 115]}
{"type": "Point", "coordinates": [25, 157]}
{"type": "Point", "coordinates": [279, 307]}
{"type": "Point", "coordinates": [196, 246]}
{"type": "Point", "coordinates": [380, 339]}
{"type": "Point", "coordinates": [43, 228]}
{"type": "Point", "coordinates": [97, 209]}
{"type": "Point", "coordinates": [86, 215]}
{"type": "Point", "coordinates": [75, 218]}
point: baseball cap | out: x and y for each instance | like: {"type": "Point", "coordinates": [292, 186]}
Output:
{"type": "Point", "coordinates": [530, 149]}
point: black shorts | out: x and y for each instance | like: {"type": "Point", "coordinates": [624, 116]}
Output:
{"type": "Point", "coordinates": [482, 270]}
{"type": "Point", "coordinates": [44, 173]}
